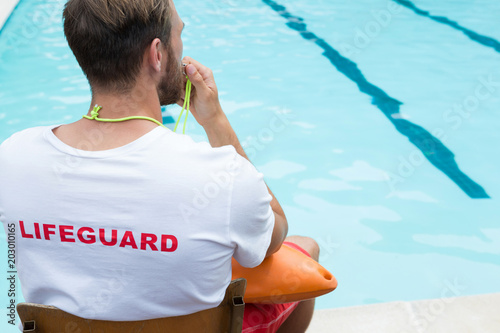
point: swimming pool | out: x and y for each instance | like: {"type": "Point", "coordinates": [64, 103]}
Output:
{"type": "Point", "coordinates": [374, 122]}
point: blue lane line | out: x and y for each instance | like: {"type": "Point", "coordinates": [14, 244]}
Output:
{"type": "Point", "coordinates": [168, 120]}
{"type": "Point", "coordinates": [433, 149]}
{"type": "Point", "coordinates": [481, 39]}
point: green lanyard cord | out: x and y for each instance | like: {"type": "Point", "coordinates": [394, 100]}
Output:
{"type": "Point", "coordinates": [185, 107]}
{"type": "Point", "coordinates": [94, 114]}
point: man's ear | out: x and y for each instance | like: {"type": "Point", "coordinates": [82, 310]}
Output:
{"type": "Point", "coordinates": [155, 55]}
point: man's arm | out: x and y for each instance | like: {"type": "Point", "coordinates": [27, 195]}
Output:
{"type": "Point", "coordinates": [208, 113]}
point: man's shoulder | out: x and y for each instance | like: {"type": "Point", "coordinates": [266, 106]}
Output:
{"type": "Point", "coordinates": [184, 144]}
{"type": "Point", "coordinates": [24, 136]}
{"type": "Point", "coordinates": [202, 158]}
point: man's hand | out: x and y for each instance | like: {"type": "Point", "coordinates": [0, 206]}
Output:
{"type": "Point", "coordinates": [204, 104]}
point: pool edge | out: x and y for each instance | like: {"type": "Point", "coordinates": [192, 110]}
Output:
{"type": "Point", "coordinates": [477, 313]}
{"type": "Point", "coordinates": [6, 9]}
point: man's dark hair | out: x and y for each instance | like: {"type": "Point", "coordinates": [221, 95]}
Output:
{"type": "Point", "coordinates": [109, 37]}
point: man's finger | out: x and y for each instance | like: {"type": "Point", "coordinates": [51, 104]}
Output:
{"type": "Point", "coordinates": [205, 72]}
{"type": "Point", "coordinates": [195, 77]}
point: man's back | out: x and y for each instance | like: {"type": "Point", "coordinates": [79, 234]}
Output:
{"type": "Point", "coordinates": [141, 222]}
{"type": "Point", "coordinates": [142, 231]}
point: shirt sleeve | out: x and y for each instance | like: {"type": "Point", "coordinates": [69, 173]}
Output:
{"type": "Point", "coordinates": [251, 218]}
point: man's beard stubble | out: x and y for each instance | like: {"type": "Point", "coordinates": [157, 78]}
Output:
{"type": "Point", "coordinates": [171, 84]}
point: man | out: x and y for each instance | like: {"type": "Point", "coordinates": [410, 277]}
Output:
{"type": "Point", "coordinates": [128, 220]}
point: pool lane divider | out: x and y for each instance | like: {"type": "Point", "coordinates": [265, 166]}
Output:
{"type": "Point", "coordinates": [432, 148]}
{"type": "Point", "coordinates": [481, 39]}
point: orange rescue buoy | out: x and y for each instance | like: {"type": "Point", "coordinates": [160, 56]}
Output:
{"type": "Point", "coordinates": [286, 276]}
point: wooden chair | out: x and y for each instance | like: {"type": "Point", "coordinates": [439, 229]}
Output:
{"type": "Point", "coordinates": [227, 317]}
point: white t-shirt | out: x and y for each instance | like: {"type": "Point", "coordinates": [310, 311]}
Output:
{"type": "Point", "coordinates": [143, 231]}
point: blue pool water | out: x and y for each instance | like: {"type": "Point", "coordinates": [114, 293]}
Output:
{"type": "Point", "coordinates": [374, 122]}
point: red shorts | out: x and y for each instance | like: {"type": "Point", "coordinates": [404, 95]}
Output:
{"type": "Point", "coordinates": [267, 318]}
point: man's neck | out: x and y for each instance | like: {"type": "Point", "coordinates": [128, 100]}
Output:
{"type": "Point", "coordinates": [137, 102]}
{"type": "Point", "coordinates": [94, 135]}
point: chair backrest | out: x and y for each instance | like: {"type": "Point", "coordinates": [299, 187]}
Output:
{"type": "Point", "coordinates": [227, 317]}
